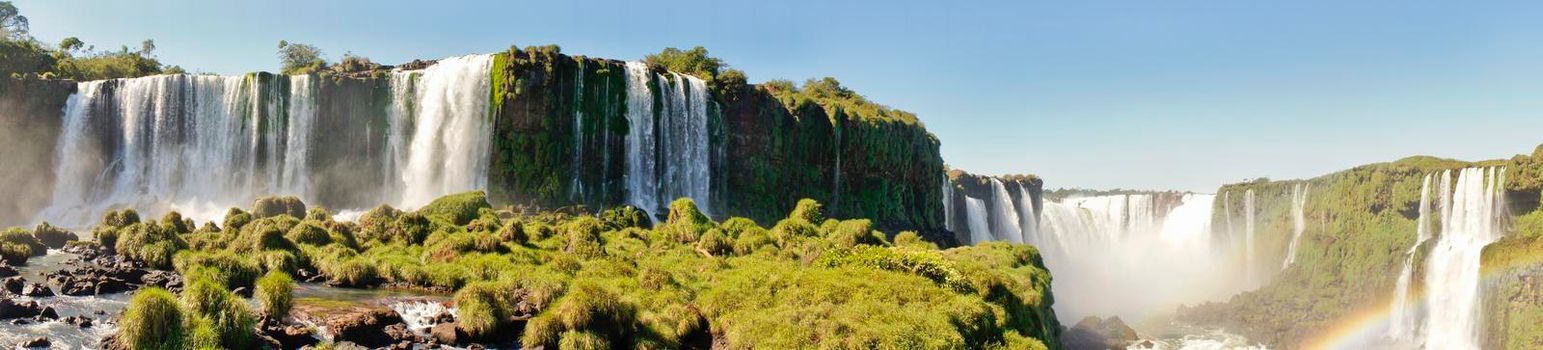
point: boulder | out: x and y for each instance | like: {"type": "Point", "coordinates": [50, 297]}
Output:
{"type": "Point", "coordinates": [448, 334]}
{"type": "Point", "coordinates": [367, 327]}
{"type": "Point", "coordinates": [39, 342]}
{"type": "Point", "coordinates": [7, 270]}
{"type": "Point", "coordinates": [13, 285]}
{"type": "Point", "coordinates": [77, 321]}
{"type": "Point", "coordinates": [1093, 333]}
{"type": "Point", "coordinates": [10, 309]}
{"type": "Point", "coordinates": [36, 290]}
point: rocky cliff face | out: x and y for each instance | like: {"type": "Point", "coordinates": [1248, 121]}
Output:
{"type": "Point", "coordinates": [31, 112]}
{"type": "Point", "coordinates": [964, 186]}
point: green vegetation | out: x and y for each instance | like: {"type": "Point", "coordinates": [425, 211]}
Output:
{"type": "Point", "coordinates": [297, 58]}
{"type": "Point", "coordinates": [608, 281]}
{"type": "Point", "coordinates": [17, 245]}
{"type": "Point", "coordinates": [153, 320]}
{"type": "Point", "coordinates": [21, 55]}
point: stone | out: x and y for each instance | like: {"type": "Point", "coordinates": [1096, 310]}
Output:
{"type": "Point", "coordinates": [39, 342]}
{"type": "Point", "coordinates": [365, 327]}
{"type": "Point", "coordinates": [10, 309]}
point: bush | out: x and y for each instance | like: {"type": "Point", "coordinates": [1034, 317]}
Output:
{"type": "Point", "coordinates": [224, 313]}
{"type": "Point", "coordinates": [318, 214]}
{"type": "Point", "coordinates": [309, 232]}
{"type": "Point", "coordinates": [624, 217]}
{"type": "Point", "coordinates": [513, 232]}
{"type": "Point", "coordinates": [751, 240]}
{"type": "Point", "coordinates": [173, 221]}
{"type": "Point", "coordinates": [17, 245]}
{"type": "Point", "coordinates": [236, 219]}
{"type": "Point", "coordinates": [410, 228]}
{"type": "Point", "coordinates": [354, 272]}
{"type": "Point", "coordinates": [273, 206]}
{"type": "Point", "coordinates": [716, 243]}
{"type": "Point", "coordinates": [686, 223]}
{"type": "Point", "coordinates": [791, 230]}
{"type": "Point", "coordinates": [459, 208]}
{"type": "Point", "coordinates": [52, 236]}
{"type": "Point", "coordinates": [854, 232]}
{"type": "Point", "coordinates": [588, 307]}
{"type": "Point", "coordinates": [374, 224]}
{"type": "Point", "coordinates": [261, 235]}
{"type": "Point", "coordinates": [229, 270]}
{"type": "Point", "coordinates": [483, 309]}
{"type": "Point", "coordinates": [808, 210]}
{"type": "Point", "coordinates": [583, 238]}
{"type": "Point", "coordinates": [275, 294]}
{"type": "Point", "coordinates": [120, 219]}
{"type": "Point", "coordinates": [152, 321]}
{"type": "Point", "coordinates": [149, 243]}
{"type": "Point", "coordinates": [913, 240]}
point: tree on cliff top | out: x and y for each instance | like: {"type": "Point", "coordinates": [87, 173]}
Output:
{"type": "Point", "coordinates": [13, 26]}
{"type": "Point", "coordinates": [297, 58]}
{"type": "Point", "coordinates": [694, 61]}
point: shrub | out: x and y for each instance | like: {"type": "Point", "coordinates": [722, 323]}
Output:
{"type": "Point", "coordinates": [318, 214]}
{"type": "Point", "coordinates": [261, 235]}
{"type": "Point", "coordinates": [230, 270]}
{"type": "Point", "coordinates": [483, 309]}
{"type": "Point", "coordinates": [53, 236]}
{"type": "Point", "coordinates": [309, 232]}
{"type": "Point", "coordinates": [152, 321]}
{"type": "Point", "coordinates": [913, 240]}
{"type": "Point", "coordinates": [588, 307]}
{"type": "Point", "coordinates": [791, 230]}
{"type": "Point", "coordinates": [353, 272]}
{"type": "Point", "coordinates": [580, 340]}
{"type": "Point", "coordinates": [17, 245]}
{"type": "Point", "coordinates": [751, 240]}
{"type": "Point", "coordinates": [624, 217]}
{"type": "Point", "coordinates": [150, 243]}
{"type": "Point", "coordinates": [213, 306]}
{"type": "Point", "coordinates": [273, 206]}
{"type": "Point", "coordinates": [459, 208]}
{"type": "Point", "coordinates": [374, 224]}
{"type": "Point", "coordinates": [686, 223]}
{"type": "Point", "coordinates": [107, 236]}
{"type": "Point", "coordinates": [275, 294]}
{"type": "Point", "coordinates": [120, 219]}
{"type": "Point", "coordinates": [808, 210]}
{"type": "Point", "coordinates": [173, 221]}
{"type": "Point", "coordinates": [583, 238]}
{"type": "Point", "coordinates": [410, 228]}
{"type": "Point", "coordinates": [513, 232]}
{"type": "Point", "coordinates": [736, 225]}
{"type": "Point", "coordinates": [236, 219]}
{"type": "Point", "coordinates": [716, 243]}
{"type": "Point", "coordinates": [854, 232]}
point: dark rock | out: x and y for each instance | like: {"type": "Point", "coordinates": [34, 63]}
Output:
{"type": "Point", "coordinates": [1094, 333]}
{"type": "Point", "coordinates": [48, 313]}
{"type": "Point", "coordinates": [443, 317]}
{"type": "Point", "coordinates": [400, 333]}
{"type": "Point", "coordinates": [10, 309]}
{"type": "Point", "coordinates": [13, 285]}
{"type": "Point", "coordinates": [37, 290]}
{"type": "Point", "coordinates": [77, 321]}
{"type": "Point", "coordinates": [288, 336]}
{"type": "Point", "coordinates": [366, 327]}
{"type": "Point", "coordinates": [39, 342]}
{"type": "Point", "coordinates": [448, 333]}
{"type": "Point", "coordinates": [7, 271]}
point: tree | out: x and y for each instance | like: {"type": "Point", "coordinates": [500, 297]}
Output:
{"type": "Point", "coordinates": [13, 26]}
{"type": "Point", "coordinates": [694, 61]}
{"type": "Point", "coordinates": [71, 44]}
{"type": "Point", "coordinates": [297, 58]}
{"type": "Point", "coordinates": [147, 47]}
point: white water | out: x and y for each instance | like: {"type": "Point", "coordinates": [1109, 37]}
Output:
{"type": "Point", "coordinates": [674, 162]}
{"type": "Point", "coordinates": [1249, 260]}
{"type": "Point", "coordinates": [1029, 220]}
{"type": "Point", "coordinates": [200, 144]}
{"type": "Point", "coordinates": [1005, 223]}
{"type": "Point", "coordinates": [1402, 322]}
{"type": "Point", "coordinates": [1298, 221]}
{"type": "Point", "coordinates": [1123, 255]}
{"type": "Point", "coordinates": [449, 151]}
{"type": "Point", "coordinates": [1468, 223]}
{"type": "Point", "coordinates": [948, 204]}
{"type": "Point", "coordinates": [980, 226]}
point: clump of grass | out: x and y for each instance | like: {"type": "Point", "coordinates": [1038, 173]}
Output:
{"type": "Point", "coordinates": [275, 294]}
{"type": "Point", "coordinates": [153, 320]}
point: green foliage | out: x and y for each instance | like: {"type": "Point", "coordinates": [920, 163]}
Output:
{"type": "Point", "coordinates": [624, 217]}
{"type": "Point", "coordinates": [152, 320]}
{"type": "Point", "coordinates": [151, 243]}
{"type": "Point", "coordinates": [17, 245]}
{"type": "Point", "coordinates": [309, 232]}
{"type": "Point", "coordinates": [686, 223]}
{"type": "Point", "coordinates": [808, 210]}
{"type": "Point", "coordinates": [694, 61]}
{"type": "Point", "coordinates": [483, 309]}
{"type": "Point", "coordinates": [228, 269]}
{"type": "Point", "coordinates": [275, 294]}
{"type": "Point", "coordinates": [217, 317]}
{"type": "Point", "coordinates": [236, 218]}
{"type": "Point", "coordinates": [273, 206]}
{"type": "Point", "coordinates": [459, 209]}
{"type": "Point", "coordinates": [297, 58]}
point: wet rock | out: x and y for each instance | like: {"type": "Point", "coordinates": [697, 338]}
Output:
{"type": "Point", "coordinates": [288, 336]}
{"type": "Point", "coordinates": [448, 333]}
{"type": "Point", "coordinates": [36, 290]}
{"type": "Point", "coordinates": [1095, 333]}
{"type": "Point", "coordinates": [77, 321]}
{"type": "Point", "coordinates": [367, 327]}
{"type": "Point", "coordinates": [39, 342]}
{"type": "Point", "coordinates": [13, 285]}
{"type": "Point", "coordinates": [10, 309]}
{"type": "Point", "coordinates": [7, 270]}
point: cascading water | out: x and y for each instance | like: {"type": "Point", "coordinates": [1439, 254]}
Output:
{"type": "Point", "coordinates": [1470, 219]}
{"type": "Point", "coordinates": [452, 132]}
{"type": "Point", "coordinates": [667, 149]}
{"type": "Point", "coordinates": [1005, 223]}
{"type": "Point", "coordinates": [948, 204]}
{"type": "Point", "coordinates": [1103, 247]}
{"type": "Point", "coordinates": [980, 225]}
{"type": "Point", "coordinates": [1248, 239]}
{"type": "Point", "coordinates": [200, 144]}
{"type": "Point", "coordinates": [1029, 220]}
{"type": "Point", "coordinates": [1402, 321]}
{"type": "Point", "coordinates": [1298, 221]}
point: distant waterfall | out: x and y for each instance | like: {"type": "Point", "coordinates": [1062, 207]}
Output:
{"type": "Point", "coordinates": [1104, 247]}
{"type": "Point", "coordinates": [1005, 223]}
{"type": "Point", "coordinates": [302, 119]}
{"type": "Point", "coordinates": [1402, 322]}
{"type": "Point", "coordinates": [1249, 264]}
{"type": "Point", "coordinates": [200, 144]}
{"type": "Point", "coordinates": [1029, 220]}
{"type": "Point", "coordinates": [667, 148]}
{"type": "Point", "coordinates": [948, 204]}
{"type": "Point", "coordinates": [1298, 221]}
{"type": "Point", "coordinates": [449, 151]}
{"type": "Point", "coordinates": [1470, 219]}
{"type": "Point", "coordinates": [980, 226]}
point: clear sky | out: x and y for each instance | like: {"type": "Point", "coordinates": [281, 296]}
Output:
{"type": "Point", "coordinates": [1141, 94]}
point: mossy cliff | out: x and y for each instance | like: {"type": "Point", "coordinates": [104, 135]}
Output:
{"type": "Point", "coordinates": [31, 114]}
{"type": "Point", "coordinates": [966, 185]}
{"type": "Point", "coordinates": [1358, 225]}
{"type": "Point", "coordinates": [1513, 267]}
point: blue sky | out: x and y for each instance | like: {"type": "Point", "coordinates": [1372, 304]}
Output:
{"type": "Point", "coordinates": [1099, 94]}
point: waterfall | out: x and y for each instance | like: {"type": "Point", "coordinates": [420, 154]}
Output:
{"type": "Point", "coordinates": [1005, 223]}
{"type": "Point", "coordinates": [948, 204]}
{"type": "Point", "coordinates": [1402, 322]}
{"type": "Point", "coordinates": [576, 186]}
{"type": "Point", "coordinates": [1298, 221]}
{"type": "Point", "coordinates": [1104, 247]}
{"type": "Point", "coordinates": [1468, 223]}
{"type": "Point", "coordinates": [667, 148]}
{"type": "Point", "coordinates": [452, 132]}
{"type": "Point", "coordinates": [302, 119]}
{"type": "Point", "coordinates": [200, 144]}
{"type": "Point", "coordinates": [1248, 238]}
{"type": "Point", "coordinates": [980, 226]}
{"type": "Point", "coordinates": [1029, 219]}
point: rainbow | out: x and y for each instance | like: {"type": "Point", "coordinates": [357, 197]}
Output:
{"type": "Point", "coordinates": [1366, 326]}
